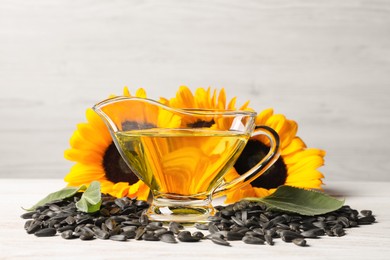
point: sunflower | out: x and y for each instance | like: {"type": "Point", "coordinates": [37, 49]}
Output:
{"type": "Point", "coordinates": [98, 159]}
{"type": "Point", "coordinates": [297, 166]}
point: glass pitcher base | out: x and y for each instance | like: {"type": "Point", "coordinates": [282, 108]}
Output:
{"type": "Point", "coordinates": [188, 211]}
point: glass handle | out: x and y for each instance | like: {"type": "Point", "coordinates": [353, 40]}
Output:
{"type": "Point", "coordinates": [257, 170]}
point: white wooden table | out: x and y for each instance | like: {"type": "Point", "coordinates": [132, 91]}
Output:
{"type": "Point", "coordinates": [365, 242]}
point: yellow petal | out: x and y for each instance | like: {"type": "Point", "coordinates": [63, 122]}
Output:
{"type": "Point", "coordinates": [82, 156]}
{"type": "Point", "coordinates": [311, 162]}
{"type": "Point", "coordinates": [83, 176]}
{"type": "Point", "coordinates": [307, 184]}
{"type": "Point", "coordinates": [304, 175]}
{"type": "Point", "coordinates": [238, 194]}
{"type": "Point", "coordinates": [294, 146]}
{"type": "Point", "coordinates": [261, 192]}
{"type": "Point", "coordinates": [245, 106]}
{"type": "Point", "coordinates": [232, 104]}
{"type": "Point", "coordinates": [100, 137]}
{"type": "Point", "coordinates": [184, 98]}
{"type": "Point", "coordinates": [139, 190]}
{"type": "Point", "coordinates": [126, 92]}
{"type": "Point", "coordinates": [222, 99]}
{"type": "Point", "coordinates": [302, 155]}
{"type": "Point", "coordinates": [141, 93]}
{"type": "Point", "coordinates": [264, 115]}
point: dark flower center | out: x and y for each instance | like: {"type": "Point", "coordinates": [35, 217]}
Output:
{"type": "Point", "coordinates": [253, 152]}
{"type": "Point", "coordinates": [201, 123]}
{"type": "Point", "coordinates": [116, 168]}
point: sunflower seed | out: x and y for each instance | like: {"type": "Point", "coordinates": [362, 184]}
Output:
{"type": "Point", "coordinates": [139, 233]}
{"type": "Point", "coordinates": [175, 227]}
{"type": "Point", "coordinates": [46, 232]}
{"type": "Point", "coordinates": [213, 228]}
{"type": "Point", "coordinates": [67, 234]}
{"type": "Point", "coordinates": [34, 227]}
{"type": "Point", "coordinates": [144, 220]}
{"type": "Point", "coordinates": [343, 221]}
{"type": "Point", "coordinates": [366, 212]}
{"type": "Point", "coordinates": [269, 239]}
{"type": "Point", "coordinates": [101, 234]}
{"type": "Point", "coordinates": [69, 220]}
{"type": "Point", "coordinates": [198, 235]}
{"type": "Point", "coordinates": [238, 221]}
{"type": "Point", "coordinates": [202, 226]}
{"type": "Point", "coordinates": [185, 236]}
{"type": "Point", "coordinates": [129, 234]}
{"type": "Point", "coordinates": [366, 220]}
{"type": "Point", "coordinates": [258, 231]}
{"type": "Point", "coordinates": [253, 240]}
{"type": "Point", "coordinates": [168, 238]}
{"type": "Point", "coordinates": [319, 224]}
{"type": "Point", "coordinates": [231, 236]}
{"type": "Point", "coordinates": [121, 203]}
{"type": "Point", "coordinates": [161, 230]}
{"type": "Point", "coordinates": [299, 241]}
{"type": "Point", "coordinates": [28, 223]}
{"type": "Point", "coordinates": [150, 237]}
{"type": "Point", "coordinates": [28, 215]}
{"type": "Point", "coordinates": [220, 241]}
{"type": "Point", "coordinates": [86, 236]}
{"type": "Point", "coordinates": [110, 223]}
{"type": "Point", "coordinates": [118, 238]}
{"type": "Point", "coordinates": [289, 236]}
{"type": "Point", "coordinates": [313, 233]}
{"type": "Point", "coordinates": [67, 227]}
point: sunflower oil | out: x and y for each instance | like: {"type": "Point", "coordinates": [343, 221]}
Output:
{"type": "Point", "coordinates": [183, 162]}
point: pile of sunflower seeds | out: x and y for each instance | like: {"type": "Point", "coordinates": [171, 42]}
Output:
{"type": "Point", "coordinates": [122, 219]}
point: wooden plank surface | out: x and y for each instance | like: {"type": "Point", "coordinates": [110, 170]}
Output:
{"type": "Point", "coordinates": [325, 64]}
{"type": "Point", "coordinates": [365, 242]}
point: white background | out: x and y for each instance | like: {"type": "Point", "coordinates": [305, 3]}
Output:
{"type": "Point", "coordinates": [325, 64]}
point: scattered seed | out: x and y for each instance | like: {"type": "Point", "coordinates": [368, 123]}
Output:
{"type": "Point", "coordinates": [150, 237]}
{"type": "Point", "coordinates": [198, 235]}
{"type": "Point", "coordinates": [28, 215]}
{"type": "Point", "coordinates": [366, 212]}
{"type": "Point", "coordinates": [313, 233]}
{"type": "Point", "coordinates": [202, 226]}
{"type": "Point", "coordinates": [168, 238]}
{"type": "Point", "coordinates": [220, 241]}
{"type": "Point", "coordinates": [289, 236]}
{"type": "Point", "coordinates": [139, 233]}
{"type": "Point", "coordinates": [175, 227]}
{"type": "Point", "coordinates": [299, 241]}
{"type": "Point", "coordinates": [185, 236]}
{"type": "Point", "coordinates": [118, 238]}
{"type": "Point", "coordinates": [212, 227]}
{"type": "Point", "coordinates": [269, 240]}
{"type": "Point", "coordinates": [34, 227]}
{"type": "Point", "coordinates": [366, 220]}
{"type": "Point", "coordinates": [86, 236]}
{"type": "Point", "coordinates": [67, 234]}
{"type": "Point", "coordinates": [46, 232]}
{"type": "Point", "coordinates": [253, 240]}
{"type": "Point", "coordinates": [232, 235]}
{"type": "Point", "coordinates": [125, 218]}
{"type": "Point", "coordinates": [101, 234]}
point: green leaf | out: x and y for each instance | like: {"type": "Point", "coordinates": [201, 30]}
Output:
{"type": "Point", "coordinates": [91, 199]}
{"type": "Point", "coordinates": [297, 200]}
{"type": "Point", "coordinates": [64, 193]}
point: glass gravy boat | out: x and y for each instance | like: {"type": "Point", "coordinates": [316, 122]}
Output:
{"type": "Point", "coordinates": [183, 154]}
